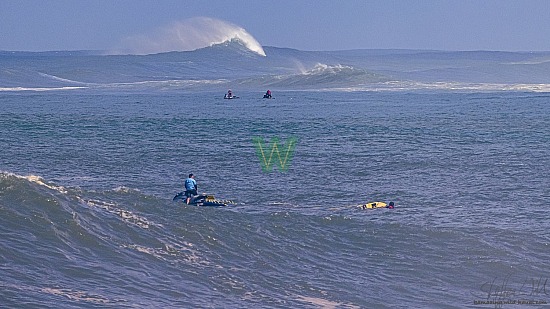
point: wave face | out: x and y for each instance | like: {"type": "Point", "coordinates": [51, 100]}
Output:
{"type": "Point", "coordinates": [189, 35]}
{"type": "Point", "coordinates": [239, 63]}
{"type": "Point", "coordinates": [321, 75]}
{"type": "Point", "coordinates": [74, 248]}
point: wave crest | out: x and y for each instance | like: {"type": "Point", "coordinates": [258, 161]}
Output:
{"type": "Point", "coordinates": [187, 35]}
{"type": "Point", "coordinates": [321, 76]}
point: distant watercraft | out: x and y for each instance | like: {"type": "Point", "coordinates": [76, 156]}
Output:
{"type": "Point", "coordinates": [267, 95]}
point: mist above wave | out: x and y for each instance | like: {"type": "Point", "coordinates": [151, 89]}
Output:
{"type": "Point", "coordinates": [187, 35]}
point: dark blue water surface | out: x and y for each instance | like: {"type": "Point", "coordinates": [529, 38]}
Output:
{"type": "Point", "coordinates": [88, 221]}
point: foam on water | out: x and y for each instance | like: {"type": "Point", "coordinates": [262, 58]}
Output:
{"type": "Point", "coordinates": [38, 89]}
{"type": "Point", "coordinates": [230, 58]}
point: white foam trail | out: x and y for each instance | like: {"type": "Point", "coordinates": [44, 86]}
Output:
{"type": "Point", "coordinates": [190, 34]}
{"type": "Point", "coordinates": [59, 78]}
{"type": "Point", "coordinates": [324, 303]}
{"type": "Point", "coordinates": [445, 86]}
{"type": "Point", "coordinates": [39, 180]}
{"type": "Point", "coordinates": [38, 88]}
{"type": "Point", "coordinates": [531, 62]}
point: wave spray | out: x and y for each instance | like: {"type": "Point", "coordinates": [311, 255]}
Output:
{"type": "Point", "coordinates": [190, 34]}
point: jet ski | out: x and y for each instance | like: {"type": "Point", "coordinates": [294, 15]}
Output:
{"type": "Point", "coordinates": [203, 199]}
{"type": "Point", "coordinates": [230, 97]}
{"type": "Point", "coordinates": [267, 95]}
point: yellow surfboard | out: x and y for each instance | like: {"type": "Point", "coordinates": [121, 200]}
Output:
{"type": "Point", "coordinates": [373, 205]}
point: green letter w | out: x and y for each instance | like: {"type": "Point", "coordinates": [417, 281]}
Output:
{"type": "Point", "coordinates": [266, 162]}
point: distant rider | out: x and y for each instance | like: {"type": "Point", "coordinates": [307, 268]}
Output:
{"type": "Point", "coordinates": [190, 188]}
{"type": "Point", "coordinates": [268, 94]}
{"type": "Point", "coordinates": [229, 94]}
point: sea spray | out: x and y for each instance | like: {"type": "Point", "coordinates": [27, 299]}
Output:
{"type": "Point", "coordinates": [189, 34]}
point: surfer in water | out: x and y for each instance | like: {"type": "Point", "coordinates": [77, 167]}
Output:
{"type": "Point", "coordinates": [267, 95]}
{"type": "Point", "coordinates": [229, 94]}
{"type": "Point", "coordinates": [190, 188]}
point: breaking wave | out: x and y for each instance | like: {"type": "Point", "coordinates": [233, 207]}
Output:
{"type": "Point", "coordinates": [237, 63]}
{"type": "Point", "coordinates": [187, 35]}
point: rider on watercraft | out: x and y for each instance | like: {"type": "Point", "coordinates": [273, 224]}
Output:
{"type": "Point", "coordinates": [190, 188]}
{"type": "Point", "coordinates": [229, 94]}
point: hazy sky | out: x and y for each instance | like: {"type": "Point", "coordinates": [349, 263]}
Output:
{"type": "Point", "coordinates": [510, 25]}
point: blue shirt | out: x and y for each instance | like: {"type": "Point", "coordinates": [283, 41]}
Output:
{"type": "Point", "coordinates": [190, 184]}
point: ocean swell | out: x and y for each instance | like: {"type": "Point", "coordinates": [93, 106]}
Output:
{"type": "Point", "coordinates": [190, 34]}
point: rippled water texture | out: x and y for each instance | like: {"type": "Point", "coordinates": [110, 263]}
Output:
{"type": "Point", "coordinates": [88, 220]}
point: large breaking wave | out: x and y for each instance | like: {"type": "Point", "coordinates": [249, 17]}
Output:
{"type": "Point", "coordinates": [187, 35]}
{"type": "Point", "coordinates": [235, 64]}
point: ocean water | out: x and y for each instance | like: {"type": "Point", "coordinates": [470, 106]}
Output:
{"type": "Point", "coordinates": [95, 147]}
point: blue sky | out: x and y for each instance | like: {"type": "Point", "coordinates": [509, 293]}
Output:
{"type": "Point", "coordinates": [509, 25]}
